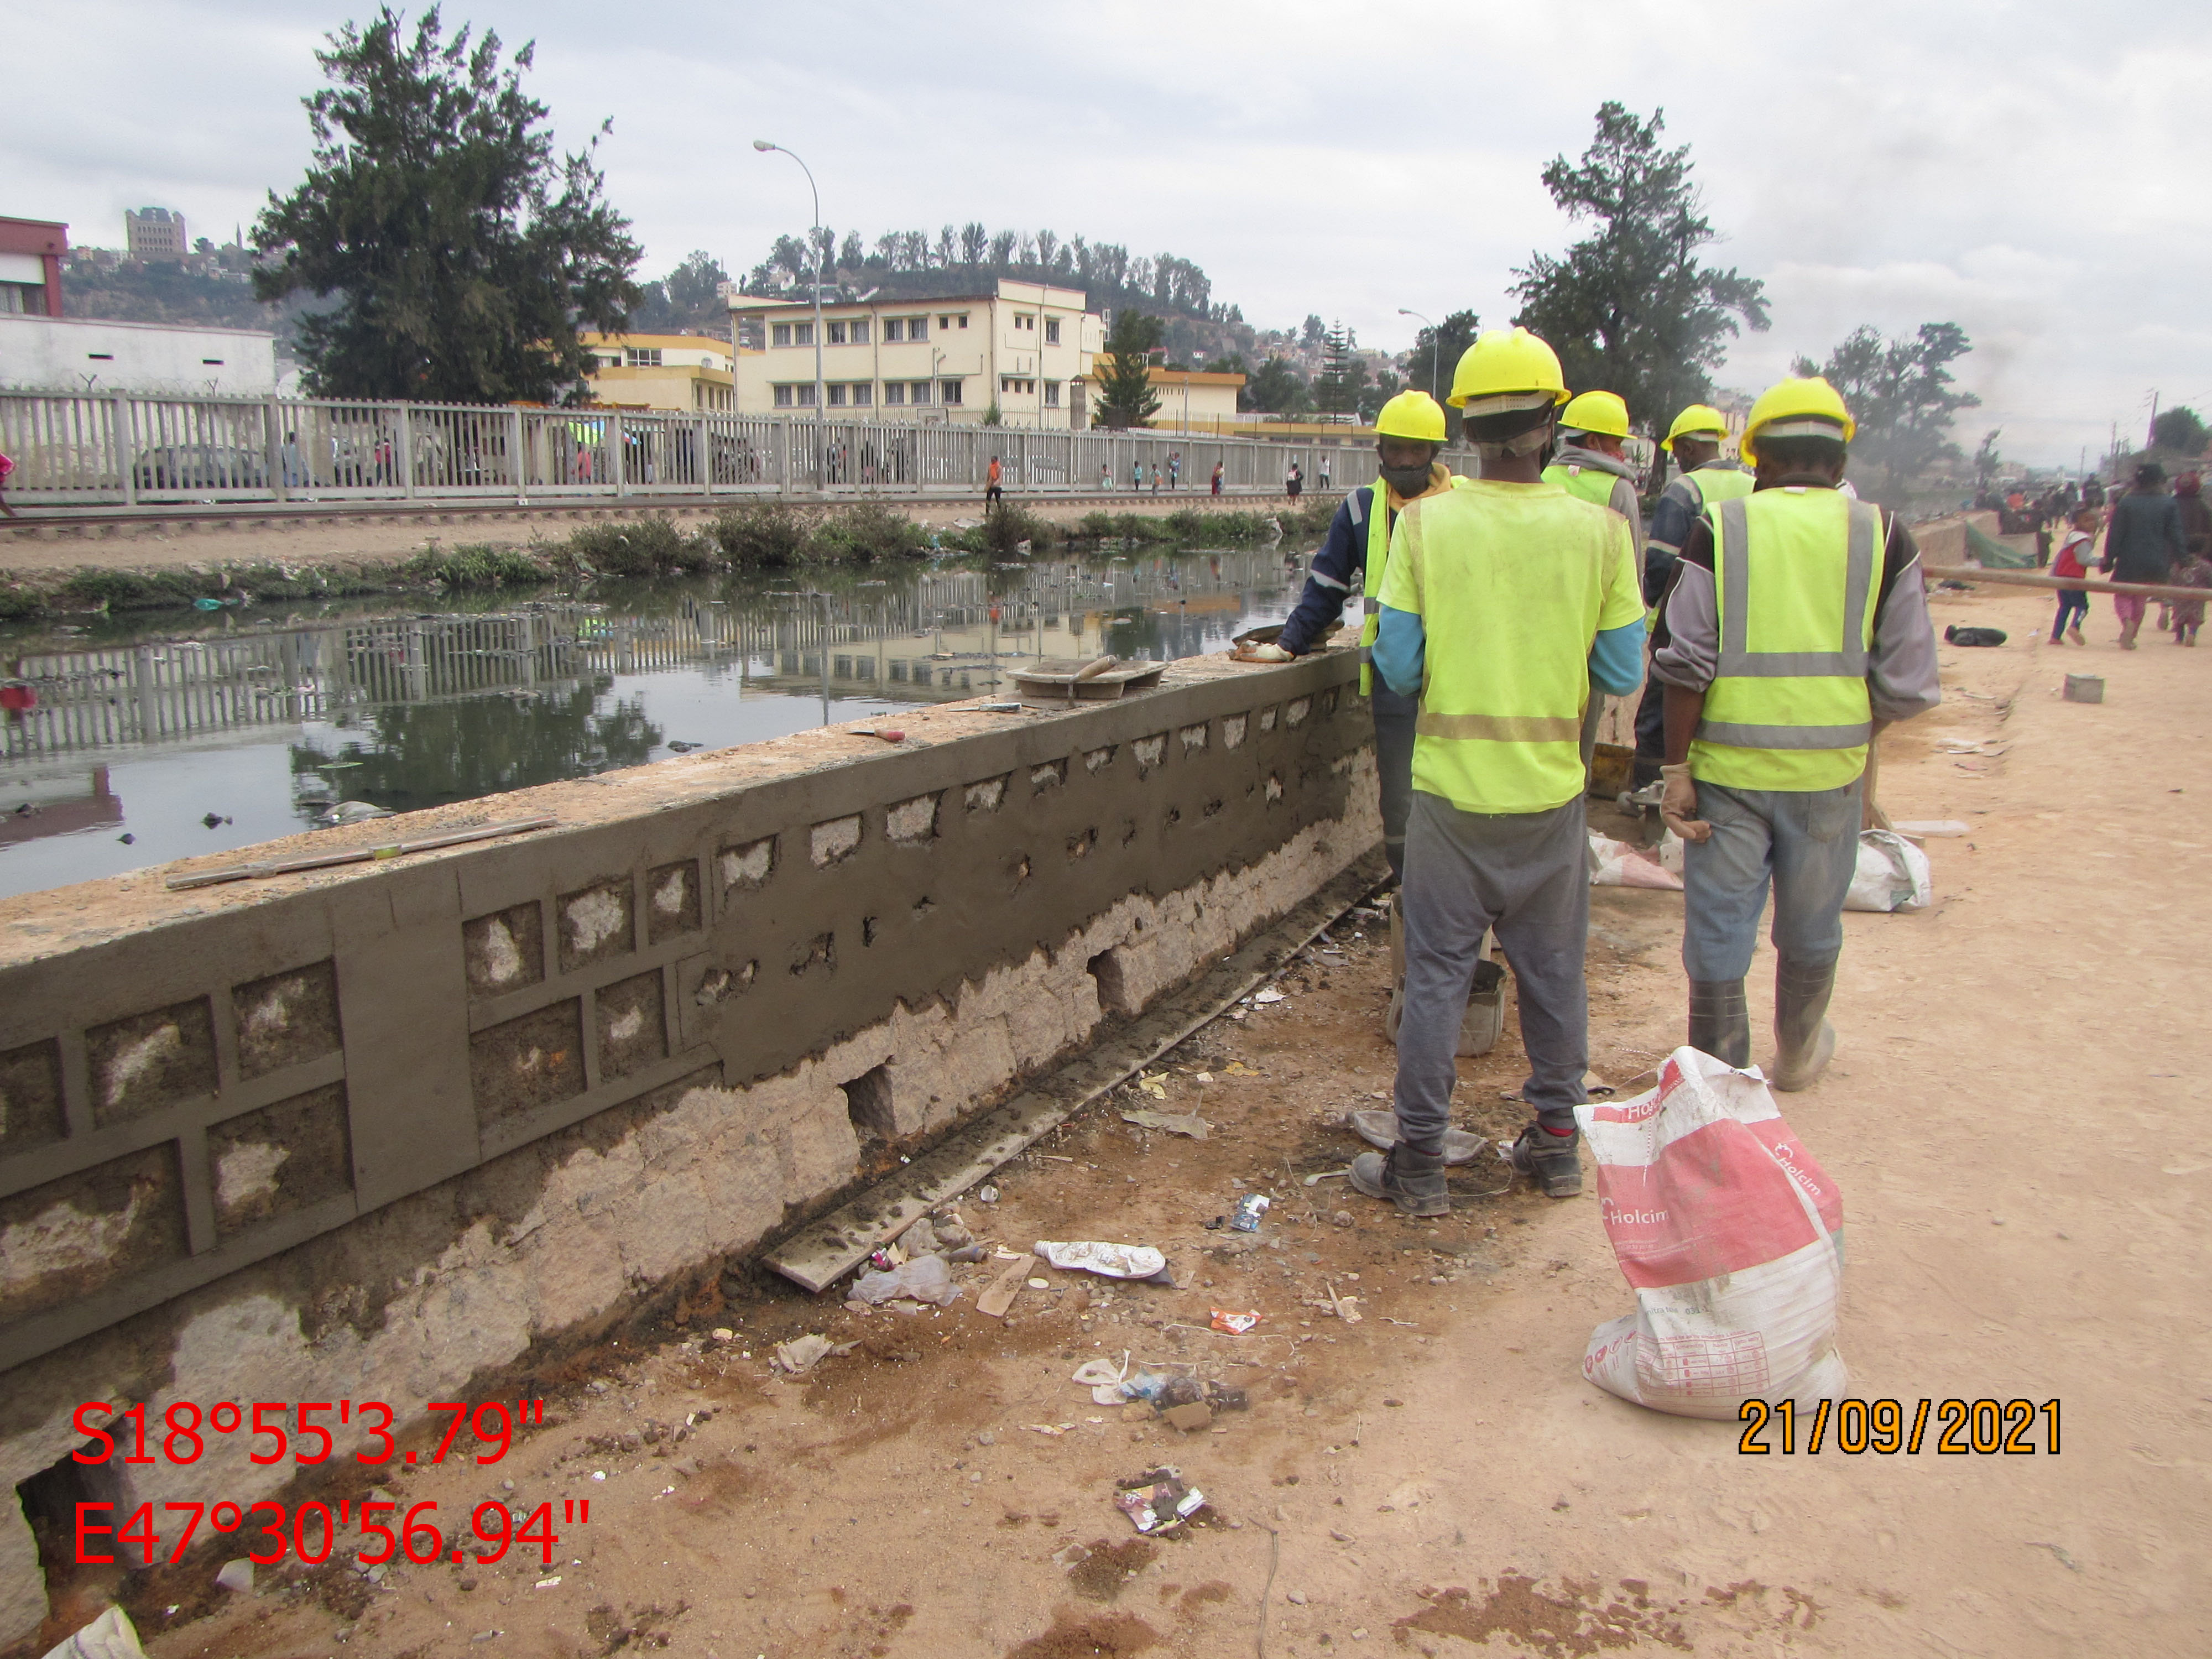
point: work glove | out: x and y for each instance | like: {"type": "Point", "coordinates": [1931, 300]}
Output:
{"type": "Point", "coordinates": [1678, 804]}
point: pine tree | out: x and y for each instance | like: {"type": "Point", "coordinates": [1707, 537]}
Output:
{"type": "Point", "coordinates": [463, 254]}
{"type": "Point", "coordinates": [1126, 397]}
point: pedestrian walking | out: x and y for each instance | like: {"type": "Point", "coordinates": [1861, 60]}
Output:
{"type": "Point", "coordinates": [2072, 558]}
{"type": "Point", "coordinates": [1217, 477]}
{"type": "Point", "coordinates": [7, 467]}
{"type": "Point", "coordinates": [2194, 571]}
{"type": "Point", "coordinates": [991, 479]}
{"type": "Point", "coordinates": [1136, 475]}
{"type": "Point", "coordinates": [1293, 481]}
{"type": "Point", "coordinates": [1504, 600]}
{"type": "Point", "coordinates": [1795, 629]}
{"type": "Point", "coordinates": [2142, 544]}
{"type": "Point", "coordinates": [1174, 470]}
{"type": "Point", "coordinates": [1325, 461]}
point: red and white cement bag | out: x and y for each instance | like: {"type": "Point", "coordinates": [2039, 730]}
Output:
{"type": "Point", "coordinates": [1732, 1237]}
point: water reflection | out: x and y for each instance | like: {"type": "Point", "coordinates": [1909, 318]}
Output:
{"type": "Point", "coordinates": [125, 744]}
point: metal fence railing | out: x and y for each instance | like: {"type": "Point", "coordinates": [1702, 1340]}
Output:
{"type": "Point", "coordinates": [110, 448]}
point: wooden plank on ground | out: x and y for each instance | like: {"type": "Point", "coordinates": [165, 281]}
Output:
{"type": "Point", "coordinates": [825, 1251]}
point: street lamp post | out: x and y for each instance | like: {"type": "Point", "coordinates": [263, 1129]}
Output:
{"type": "Point", "coordinates": [1435, 344]}
{"type": "Point", "coordinates": [762, 145]}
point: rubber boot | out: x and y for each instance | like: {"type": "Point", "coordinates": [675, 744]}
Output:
{"type": "Point", "coordinates": [1720, 1020]}
{"type": "Point", "coordinates": [1549, 1160]}
{"type": "Point", "coordinates": [1413, 1181]}
{"type": "Point", "coordinates": [1804, 1041]}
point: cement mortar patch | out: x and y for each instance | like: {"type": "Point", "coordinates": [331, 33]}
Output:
{"type": "Point", "coordinates": [462, 1280]}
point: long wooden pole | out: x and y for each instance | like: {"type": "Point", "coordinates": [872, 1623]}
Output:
{"type": "Point", "coordinates": [1974, 572]}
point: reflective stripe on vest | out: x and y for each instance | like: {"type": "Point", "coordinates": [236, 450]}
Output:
{"type": "Point", "coordinates": [1792, 567]}
{"type": "Point", "coordinates": [1378, 555]}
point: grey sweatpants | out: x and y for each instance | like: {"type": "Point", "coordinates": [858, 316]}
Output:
{"type": "Point", "coordinates": [1526, 874]}
{"type": "Point", "coordinates": [1394, 716]}
{"type": "Point", "coordinates": [1803, 843]}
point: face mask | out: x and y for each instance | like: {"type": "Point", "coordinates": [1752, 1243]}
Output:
{"type": "Point", "coordinates": [1407, 480]}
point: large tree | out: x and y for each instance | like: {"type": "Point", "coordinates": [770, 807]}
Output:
{"type": "Point", "coordinates": [1343, 375]}
{"type": "Point", "coordinates": [1276, 388]}
{"type": "Point", "coordinates": [1901, 398]}
{"type": "Point", "coordinates": [463, 253]}
{"type": "Point", "coordinates": [2181, 429]}
{"type": "Point", "coordinates": [688, 298]}
{"type": "Point", "coordinates": [1126, 397]}
{"type": "Point", "coordinates": [1630, 309]}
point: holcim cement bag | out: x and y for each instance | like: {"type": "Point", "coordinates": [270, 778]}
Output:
{"type": "Point", "coordinates": [1732, 1237]}
{"type": "Point", "coordinates": [1893, 874]}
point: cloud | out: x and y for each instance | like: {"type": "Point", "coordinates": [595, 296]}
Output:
{"type": "Point", "coordinates": [2019, 166]}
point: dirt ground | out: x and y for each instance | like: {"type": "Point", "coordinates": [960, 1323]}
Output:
{"type": "Point", "coordinates": [2008, 1118]}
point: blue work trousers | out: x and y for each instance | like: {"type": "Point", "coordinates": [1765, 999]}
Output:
{"type": "Point", "coordinates": [1803, 844]}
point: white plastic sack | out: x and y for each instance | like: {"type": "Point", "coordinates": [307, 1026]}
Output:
{"type": "Point", "coordinates": [1893, 874]}
{"type": "Point", "coordinates": [1616, 863]}
{"type": "Point", "coordinates": [1732, 1238]}
{"type": "Point", "coordinates": [1112, 1261]}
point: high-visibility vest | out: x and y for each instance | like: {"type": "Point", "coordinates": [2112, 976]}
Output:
{"type": "Point", "coordinates": [1718, 484]}
{"type": "Point", "coordinates": [1591, 483]}
{"type": "Point", "coordinates": [1513, 584]}
{"type": "Point", "coordinates": [1378, 556]}
{"type": "Point", "coordinates": [1796, 577]}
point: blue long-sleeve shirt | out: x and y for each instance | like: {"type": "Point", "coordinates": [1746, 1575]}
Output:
{"type": "Point", "coordinates": [1400, 655]}
{"type": "Point", "coordinates": [1338, 572]}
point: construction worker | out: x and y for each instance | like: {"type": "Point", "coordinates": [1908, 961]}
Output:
{"type": "Point", "coordinates": [1409, 434]}
{"type": "Point", "coordinates": [1702, 477]}
{"type": "Point", "coordinates": [1795, 629]}
{"type": "Point", "coordinates": [1592, 462]}
{"type": "Point", "coordinates": [1505, 598]}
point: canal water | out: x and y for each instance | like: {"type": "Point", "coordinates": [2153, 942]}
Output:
{"type": "Point", "coordinates": [145, 740]}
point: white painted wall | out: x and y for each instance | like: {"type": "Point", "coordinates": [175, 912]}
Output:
{"type": "Point", "coordinates": [77, 355]}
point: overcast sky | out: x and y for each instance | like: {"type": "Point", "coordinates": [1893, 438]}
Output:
{"type": "Point", "coordinates": [2025, 170]}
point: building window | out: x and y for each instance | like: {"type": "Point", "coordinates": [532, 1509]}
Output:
{"type": "Point", "coordinates": [859, 328]}
{"type": "Point", "coordinates": [918, 393]}
{"type": "Point", "coordinates": [645, 357]}
{"type": "Point", "coordinates": [1052, 330]}
{"type": "Point", "coordinates": [781, 334]}
{"type": "Point", "coordinates": [963, 319]}
{"type": "Point", "coordinates": [802, 334]}
{"type": "Point", "coordinates": [783, 396]}
{"type": "Point", "coordinates": [1023, 319]}
{"type": "Point", "coordinates": [894, 392]}
{"type": "Point", "coordinates": [951, 392]}
{"type": "Point", "coordinates": [836, 396]}
{"type": "Point", "coordinates": [894, 330]}
{"type": "Point", "coordinates": [945, 322]}
{"type": "Point", "coordinates": [1052, 394]}
{"type": "Point", "coordinates": [805, 394]}
{"type": "Point", "coordinates": [917, 328]}
{"type": "Point", "coordinates": [864, 393]}
{"type": "Point", "coordinates": [898, 668]}
{"type": "Point", "coordinates": [864, 668]}
{"type": "Point", "coordinates": [837, 333]}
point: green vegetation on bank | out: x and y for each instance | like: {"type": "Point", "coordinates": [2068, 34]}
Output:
{"type": "Point", "coordinates": [747, 535]}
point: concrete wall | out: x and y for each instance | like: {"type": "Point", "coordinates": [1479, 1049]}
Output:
{"type": "Point", "coordinates": [69, 355]}
{"type": "Point", "coordinates": [379, 1131]}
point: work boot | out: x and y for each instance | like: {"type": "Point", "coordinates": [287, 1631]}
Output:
{"type": "Point", "coordinates": [1413, 1181]}
{"type": "Point", "coordinates": [1720, 1020]}
{"type": "Point", "coordinates": [1803, 1040]}
{"type": "Point", "coordinates": [1549, 1160]}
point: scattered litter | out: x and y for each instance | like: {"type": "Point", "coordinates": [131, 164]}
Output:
{"type": "Point", "coordinates": [1158, 1499]}
{"type": "Point", "coordinates": [1235, 1324]}
{"type": "Point", "coordinates": [1202, 1077]}
{"type": "Point", "coordinates": [923, 1279]}
{"type": "Point", "coordinates": [1993, 750]}
{"type": "Point", "coordinates": [987, 1195]}
{"type": "Point", "coordinates": [1154, 1084]}
{"type": "Point", "coordinates": [1956, 634]}
{"type": "Point", "coordinates": [1736, 1275]}
{"type": "Point", "coordinates": [236, 1575]}
{"type": "Point", "coordinates": [1326, 1175]}
{"type": "Point", "coordinates": [1244, 1215]}
{"type": "Point", "coordinates": [1263, 996]}
{"type": "Point", "coordinates": [1175, 1123]}
{"type": "Point", "coordinates": [1111, 1261]}
{"type": "Point", "coordinates": [1893, 874]}
{"type": "Point", "coordinates": [1053, 1429]}
{"type": "Point", "coordinates": [1238, 1069]}
{"type": "Point", "coordinates": [724, 1334]}
{"type": "Point", "coordinates": [547, 1584]}
{"type": "Point", "coordinates": [1934, 827]}
{"type": "Point", "coordinates": [1616, 863]}
{"type": "Point", "coordinates": [111, 1636]}
{"type": "Point", "coordinates": [1346, 1308]}
{"type": "Point", "coordinates": [802, 1354]}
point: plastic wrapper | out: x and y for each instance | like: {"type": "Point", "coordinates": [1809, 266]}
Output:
{"type": "Point", "coordinates": [1159, 1499]}
{"type": "Point", "coordinates": [1110, 1261]}
{"type": "Point", "coordinates": [925, 1279]}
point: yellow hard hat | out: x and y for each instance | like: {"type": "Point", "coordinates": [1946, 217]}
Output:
{"type": "Point", "coordinates": [1597, 411]}
{"type": "Point", "coordinates": [1411, 415]}
{"type": "Point", "coordinates": [1807, 408]}
{"type": "Point", "coordinates": [1697, 421]}
{"type": "Point", "coordinates": [1505, 369]}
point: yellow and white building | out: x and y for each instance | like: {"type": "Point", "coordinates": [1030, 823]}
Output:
{"type": "Point", "coordinates": [1026, 347]}
{"type": "Point", "coordinates": [683, 372]}
{"type": "Point", "coordinates": [1191, 399]}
